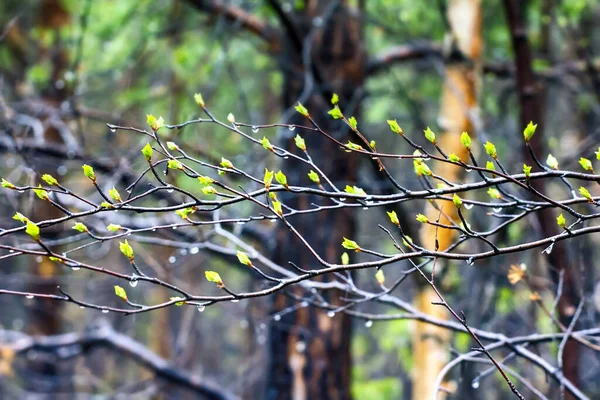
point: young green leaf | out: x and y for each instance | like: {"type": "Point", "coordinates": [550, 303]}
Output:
{"type": "Point", "coordinates": [345, 258]}
{"type": "Point", "coordinates": [114, 194]}
{"type": "Point", "coordinates": [429, 135]}
{"type": "Point", "coordinates": [20, 217]}
{"type": "Point", "coordinates": [214, 277]}
{"type": "Point", "coordinates": [243, 258]}
{"type": "Point", "coordinates": [300, 142]}
{"type": "Point", "coordinates": [561, 221]}
{"type": "Point", "coordinates": [313, 176]}
{"type": "Point", "coordinates": [225, 163]}
{"type": "Point", "coordinates": [175, 164]}
{"type": "Point", "coordinates": [586, 164]}
{"type": "Point", "coordinates": [335, 99]}
{"type": "Point", "coordinates": [172, 146]}
{"type": "Point", "coordinates": [155, 123]}
{"type": "Point", "coordinates": [79, 227]}
{"type": "Point", "coordinates": [231, 118]}
{"type": "Point", "coordinates": [372, 144]}
{"type": "Point", "coordinates": [281, 179]}
{"type": "Point", "coordinates": [185, 212]}
{"type": "Point", "coordinates": [597, 153]}
{"type": "Point", "coordinates": [456, 200]}
{"type": "Point", "coordinates": [529, 131]}
{"type": "Point", "coordinates": [395, 127]}
{"type": "Point", "coordinates": [490, 149]}
{"type": "Point", "coordinates": [126, 249]}
{"type": "Point", "coordinates": [50, 180]}
{"type": "Point", "coordinates": [353, 123]}
{"type": "Point", "coordinates": [114, 227]}
{"type": "Point", "coordinates": [205, 180]}
{"type": "Point", "coordinates": [350, 245]}
{"type": "Point", "coordinates": [147, 152]}
{"type": "Point", "coordinates": [490, 165]}
{"type": "Point", "coordinates": [120, 292]}
{"type": "Point", "coordinates": [407, 241]}
{"type": "Point", "coordinates": [393, 217]}
{"type": "Point", "coordinates": [422, 218]}
{"type": "Point", "coordinates": [277, 207]}
{"type": "Point", "coordinates": [353, 146]}
{"type": "Point", "coordinates": [6, 184]}
{"type": "Point", "coordinates": [354, 190]}
{"type": "Point", "coordinates": [585, 193]}
{"type": "Point", "coordinates": [32, 230]}
{"type": "Point", "coordinates": [41, 193]}
{"type": "Point", "coordinates": [106, 204]}
{"type": "Point", "coordinates": [552, 162]}
{"type": "Point", "coordinates": [199, 100]}
{"type": "Point", "coordinates": [266, 144]}
{"type": "Point", "coordinates": [422, 169]}
{"type": "Point", "coordinates": [380, 277]}
{"type": "Point", "coordinates": [527, 170]}
{"type": "Point", "coordinates": [268, 178]}
{"type": "Point", "coordinates": [336, 113]}
{"type": "Point", "coordinates": [208, 190]}
{"type": "Point", "coordinates": [89, 172]}
{"type": "Point", "coordinates": [301, 109]}
{"type": "Point", "coordinates": [465, 139]}
{"type": "Point", "coordinates": [494, 193]}
{"type": "Point", "coordinates": [454, 158]}
{"type": "Point", "coordinates": [179, 303]}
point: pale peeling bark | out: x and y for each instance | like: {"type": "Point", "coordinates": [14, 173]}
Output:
{"type": "Point", "coordinates": [459, 101]}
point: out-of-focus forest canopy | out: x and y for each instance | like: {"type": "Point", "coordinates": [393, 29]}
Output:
{"type": "Point", "coordinates": [70, 67]}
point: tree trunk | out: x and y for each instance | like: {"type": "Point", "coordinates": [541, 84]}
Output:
{"type": "Point", "coordinates": [459, 98]}
{"type": "Point", "coordinates": [310, 351]}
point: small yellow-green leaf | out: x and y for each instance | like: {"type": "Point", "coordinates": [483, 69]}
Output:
{"type": "Point", "coordinates": [120, 292]}
{"type": "Point", "coordinates": [494, 193]}
{"type": "Point", "coordinates": [205, 180]}
{"type": "Point", "coordinates": [335, 99]}
{"type": "Point", "coordinates": [395, 127]}
{"type": "Point", "coordinates": [172, 146]}
{"type": "Point", "coordinates": [199, 100]}
{"type": "Point", "coordinates": [155, 123]}
{"type": "Point", "coordinates": [529, 131]}
{"type": "Point", "coordinates": [281, 178]}
{"type": "Point", "coordinates": [561, 221]}
{"type": "Point", "coordinates": [353, 146]}
{"type": "Point", "coordinates": [353, 123]}
{"type": "Point", "coordinates": [454, 158]}
{"type": "Point", "coordinates": [456, 200]}
{"type": "Point", "coordinates": [313, 176]}
{"type": "Point", "coordinates": [49, 179]}
{"type": "Point", "coordinates": [429, 135]}
{"type": "Point", "coordinates": [208, 190]}
{"type": "Point", "coordinates": [225, 163]}
{"type": "Point", "coordinates": [393, 217]}
{"type": "Point", "coordinates": [183, 213]}
{"type": "Point", "coordinates": [79, 227]}
{"type": "Point", "coordinates": [585, 193]}
{"type": "Point", "coordinates": [231, 118]}
{"type": "Point", "coordinates": [126, 249]}
{"type": "Point", "coordinates": [597, 153]}
{"type": "Point", "coordinates": [336, 113]}
{"type": "Point", "coordinates": [407, 241]}
{"type": "Point", "coordinates": [380, 277]}
{"type": "Point", "coordinates": [490, 165]}
{"type": "Point", "coordinates": [32, 230]}
{"type": "Point", "coordinates": [268, 178]}
{"type": "Point", "coordinates": [243, 258]}
{"type": "Point", "coordinates": [7, 184]}
{"type": "Point", "coordinates": [465, 139]}
{"type": "Point", "coordinates": [114, 194]}
{"type": "Point", "coordinates": [350, 245]}
{"type": "Point", "coordinates": [106, 204]}
{"type": "Point", "coordinates": [527, 170]}
{"type": "Point", "coordinates": [20, 217]}
{"type": "Point", "coordinates": [41, 193]}
{"type": "Point", "coordinates": [266, 144]}
{"type": "Point", "coordinates": [277, 207]}
{"type": "Point", "coordinates": [213, 277]}
{"type": "Point", "coordinates": [89, 172]}
{"type": "Point", "coordinates": [301, 109]}
{"type": "Point", "coordinates": [179, 303]}
{"type": "Point", "coordinates": [586, 164]}
{"type": "Point", "coordinates": [147, 151]}
{"type": "Point", "coordinates": [300, 142]}
{"type": "Point", "coordinates": [345, 258]}
{"type": "Point", "coordinates": [552, 162]}
{"type": "Point", "coordinates": [175, 164]}
{"type": "Point", "coordinates": [422, 218]}
{"type": "Point", "coordinates": [490, 149]}
{"type": "Point", "coordinates": [114, 227]}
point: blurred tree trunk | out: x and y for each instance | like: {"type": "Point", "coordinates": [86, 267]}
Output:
{"type": "Point", "coordinates": [459, 99]}
{"type": "Point", "coordinates": [530, 101]}
{"type": "Point", "coordinates": [310, 351]}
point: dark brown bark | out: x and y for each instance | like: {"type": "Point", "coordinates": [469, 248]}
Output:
{"type": "Point", "coordinates": [530, 99]}
{"type": "Point", "coordinates": [310, 352]}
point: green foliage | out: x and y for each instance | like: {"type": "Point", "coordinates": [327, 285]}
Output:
{"type": "Point", "coordinates": [120, 292]}
{"type": "Point", "coordinates": [350, 245]}
{"type": "Point", "coordinates": [79, 227]}
{"type": "Point", "coordinates": [49, 179]}
{"type": "Point", "coordinates": [89, 172]}
{"type": "Point", "coordinates": [126, 249]}
{"type": "Point", "coordinates": [281, 178]}
{"type": "Point", "coordinates": [429, 135]}
{"type": "Point", "coordinates": [529, 131]}
{"type": "Point", "coordinates": [313, 176]}
{"type": "Point", "coordinates": [32, 230]}
{"type": "Point", "coordinates": [393, 217]}
{"type": "Point", "coordinates": [300, 143]}
{"type": "Point", "coordinates": [213, 277]}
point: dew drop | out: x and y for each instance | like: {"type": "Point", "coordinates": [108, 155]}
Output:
{"type": "Point", "coordinates": [365, 208]}
{"type": "Point", "coordinates": [170, 190]}
{"type": "Point", "coordinates": [75, 268]}
{"type": "Point", "coordinates": [286, 157]}
{"type": "Point", "coordinates": [304, 304]}
{"type": "Point", "coordinates": [497, 209]}
{"type": "Point", "coordinates": [172, 259]}
{"type": "Point", "coordinates": [342, 199]}
{"type": "Point", "coordinates": [468, 169]}
{"type": "Point", "coordinates": [548, 249]}
{"type": "Point", "coordinates": [470, 261]}
{"type": "Point", "coordinates": [194, 250]}
{"type": "Point", "coordinates": [105, 311]}
{"type": "Point", "coordinates": [11, 251]}
{"type": "Point", "coordinates": [368, 324]}
{"type": "Point", "coordinates": [201, 308]}
{"type": "Point", "coordinates": [468, 206]}
{"type": "Point", "coordinates": [39, 259]}
{"type": "Point", "coordinates": [277, 317]}
{"type": "Point", "coordinates": [240, 222]}
{"type": "Point", "coordinates": [82, 307]}
{"type": "Point", "coordinates": [255, 129]}
{"type": "Point", "coordinates": [174, 227]}
{"type": "Point", "coordinates": [134, 281]}
{"type": "Point", "coordinates": [300, 346]}
{"type": "Point", "coordinates": [331, 314]}
{"type": "Point", "coordinates": [475, 384]}
{"type": "Point", "coordinates": [235, 300]}
{"type": "Point", "coordinates": [291, 127]}
{"type": "Point", "coordinates": [153, 229]}
{"type": "Point", "coordinates": [183, 252]}
{"type": "Point", "coordinates": [29, 296]}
